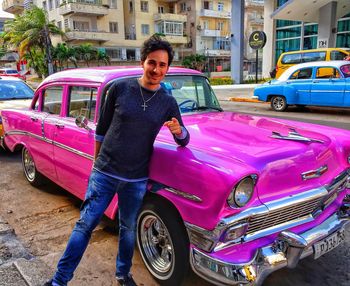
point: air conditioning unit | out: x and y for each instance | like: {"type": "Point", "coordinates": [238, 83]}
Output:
{"type": "Point", "coordinates": [199, 27]}
{"type": "Point", "coordinates": [188, 8]}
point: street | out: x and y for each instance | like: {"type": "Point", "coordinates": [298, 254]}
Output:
{"type": "Point", "coordinates": [43, 219]}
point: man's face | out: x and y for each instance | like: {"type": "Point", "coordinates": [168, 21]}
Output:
{"type": "Point", "coordinates": [154, 68]}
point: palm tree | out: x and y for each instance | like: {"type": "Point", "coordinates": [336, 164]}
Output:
{"type": "Point", "coordinates": [102, 56]}
{"type": "Point", "coordinates": [86, 53]}
{"type": "Point", "coordinates": [32, 30]}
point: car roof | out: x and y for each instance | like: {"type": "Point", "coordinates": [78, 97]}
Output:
{"type": "Point", "coordinates": [105, 74]}
{"type": "Point", "coordinates": [292, 69]}
{"type": "Point", "coordinates": [315, 50]}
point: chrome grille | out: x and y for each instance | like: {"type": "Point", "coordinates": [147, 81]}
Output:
{"type": "Point", "coordinates": [282, 215]}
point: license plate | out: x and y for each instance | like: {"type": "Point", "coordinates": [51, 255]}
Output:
{"type": "Point", "coordinates": [329, 243]}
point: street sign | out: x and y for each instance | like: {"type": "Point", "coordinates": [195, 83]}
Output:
{"type": "Point", "coordinates": [257, 40]}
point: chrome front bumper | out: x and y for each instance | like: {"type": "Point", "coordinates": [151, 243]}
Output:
{"type": "Point", "coordinates": [286, 251]}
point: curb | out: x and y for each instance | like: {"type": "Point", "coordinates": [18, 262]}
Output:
{"type": "Point", "coordinates": [242, 99]}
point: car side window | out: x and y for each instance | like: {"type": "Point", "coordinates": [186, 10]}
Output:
{"type": "Point", "coordinates": [291, 59]}
{"type": "Point", "coordinates": [313, 56]}
{"type": "Point", "coordinates": [52, 99]}
{"type": "Point", "coordinates": [337, 56]}
{"type": "Point", "coordinates": [327, 72]}
{"type": "Point", "coordinates": [302, 74]}
{"type": "Point", "coordinates": [82, 102]}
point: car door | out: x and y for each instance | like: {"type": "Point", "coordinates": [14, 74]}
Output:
{"type": "Point", "coordinates": [300, 81]}
{"type": "Point", "coordinates": [42, 124]}
{"type": "Point", "coordinates": [328, 87]}
{"type": "Point", "coordinates": [73, 145]}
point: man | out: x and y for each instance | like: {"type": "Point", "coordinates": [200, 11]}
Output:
{"type": "Point", "coordinates": [133, 113]}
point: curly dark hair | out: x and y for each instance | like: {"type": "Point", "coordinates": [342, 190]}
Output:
{"type": "Point", "coordinates": [155, 43]}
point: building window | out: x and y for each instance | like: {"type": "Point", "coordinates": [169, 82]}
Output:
{"type": "Point", "coordinates": [144, 6]}
{"type": "Point", "coordinates": [131, 7]}
{"type": "Point", "coordinates": [44, 5]}
{"type": "Point", "coordinates": [114, 53]}
{"type": "Point", "coordinates": [59, 25]}
{"type": "Point", "coordinates": [183, 7]}
{"type": "Point", "coordinates": [113, 4]}
{"type": "Point", "coordinates": [113, 27]}
{"type": "Point", "coordinates": [81, 26]}
{"type": "Point", "coordinates": [57, 3]}
{"type": "Point", "coordinates": [50, 5]}
{"type": "Point", "coordinates": [208, 5]}
{"type": "Point", "coordinates": [160, 9]}
{"type": "Point", "coordinates": [220, 6]}
{"type": "Point", "coordinates": [220, 26]}
{"type": "Point", "coordinates": [145, 29]}
{"type": "Point", "coordinates": [66, 24]}
{"type": "Point", "coordinates": [170, 28]}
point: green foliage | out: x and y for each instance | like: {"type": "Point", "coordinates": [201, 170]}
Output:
{"type": "Point", "coordinates": [251, 79]}
{"type": "Point", "coordinates": [195, 62]}
{"type": "Point", "coordinates": [221, 81]}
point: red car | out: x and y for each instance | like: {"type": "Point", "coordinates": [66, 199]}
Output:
{"type": "Point", "coordinates": [11, 72]}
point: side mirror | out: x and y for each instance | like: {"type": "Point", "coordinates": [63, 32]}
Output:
{"type": "Point", "coordinates": [82, 122]}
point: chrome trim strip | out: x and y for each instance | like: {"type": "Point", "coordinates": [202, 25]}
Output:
{"type": "Point", "coordinates": [330, 91]}
{"type": "Point", "coordinates": [293, 135]}
{"type": "Point", "coordinates": [183, 194]}
{"type": "Point", "coordinates": [314, 173]}
{"type": "Point", "coordinates": [49, 141]}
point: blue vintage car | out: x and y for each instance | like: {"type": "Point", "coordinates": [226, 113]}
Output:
{"type": "Point", "coordinates": [325, 83]}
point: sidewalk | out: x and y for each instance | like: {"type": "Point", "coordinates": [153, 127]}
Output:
{"type": "Point", "coordinates": [236, 92]}
{"type": "Point", "coordinates": [17, 266]}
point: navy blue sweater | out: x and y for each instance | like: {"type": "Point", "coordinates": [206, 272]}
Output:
{"type": "Point", "coordinates": [129, 132]}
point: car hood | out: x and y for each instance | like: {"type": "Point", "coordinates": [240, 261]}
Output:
{"type": "Point", "coordinates": [15, 103]}
{"type": "Point", "coordinates": [253, 141]}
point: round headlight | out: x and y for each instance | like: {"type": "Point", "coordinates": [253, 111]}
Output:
{"type": "Point", "coordinates": [242, 192]}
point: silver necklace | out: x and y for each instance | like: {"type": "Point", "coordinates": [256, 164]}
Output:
{"type": "Point", "coordinates": [144, 105]}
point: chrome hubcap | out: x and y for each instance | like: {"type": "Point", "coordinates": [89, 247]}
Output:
{"type": "Point", "coordinates": [278, 103]}
{"type": "Point", "coordinates": [156, 244]}
{"type": "Point", "coordinates": [28, 164]}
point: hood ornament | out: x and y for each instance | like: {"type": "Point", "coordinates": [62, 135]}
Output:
{"type": "Point", "coordinates": [293, 135]}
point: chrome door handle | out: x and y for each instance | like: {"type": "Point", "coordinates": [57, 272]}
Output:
{"type": "Point", "coordinates": [59, 125]}
{"type": "Point", "coordinates": [33, 118]}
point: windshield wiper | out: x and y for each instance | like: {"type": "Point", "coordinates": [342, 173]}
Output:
{"type": "Point", "coordinates": [208, 107]}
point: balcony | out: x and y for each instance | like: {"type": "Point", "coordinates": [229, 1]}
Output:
{"type": "Point", "coordinates": [210, 33]}
{"type": "Point", "coordinates": [254, 3]}
{"type": "Point", "coordinates": [257, 21]}
{"type": "Point", "coordinates": [84, 8]}
{"type": "Point", "coordinates": [214, 14]}
{"type": "Point", "coordinates": [95, 36]}
{"type": "Point", "coordinates": [176, 39]}
{"type": "Point", "coordinates": [13, 6]}
{"type": "Point", "coordinates": [170, 17]}
{"type": "Point", "coordinates": [216, 53]}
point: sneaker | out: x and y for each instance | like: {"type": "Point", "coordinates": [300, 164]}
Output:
{"type": "Point", "coordinates": [126, 281]}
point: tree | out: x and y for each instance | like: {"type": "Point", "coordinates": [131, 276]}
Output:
{"type": "Point", "coordinates": [86, 53]}
{"type": "Point", "coordinates": [102, 56]}
{"type": "Point", "coordinates": [30, 31]}
{"type": "Point", "coordinates": [196, 62]}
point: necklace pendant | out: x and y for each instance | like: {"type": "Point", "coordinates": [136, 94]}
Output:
{"type": "Point", "coordinates": [144, 106]}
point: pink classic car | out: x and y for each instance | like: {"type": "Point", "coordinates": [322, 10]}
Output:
{"type": "Point", "coordinates": [248, 196]}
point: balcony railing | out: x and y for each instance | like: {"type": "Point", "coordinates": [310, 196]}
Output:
{"type": "Point", "coordinates": [213, 52]}
{"type": "Point", "coordinates": [170, 17]}
{"type": "Point", "coordinates": [13, 6]}
{"type": "Point", "coordinates": [83, 8]}
{"type": "Point", "coordinates": [215, 14]}
{"type": "Point", "coordinates": [176, 39]}
{"type": "Point", "coordinates": [79, 35]}
{"type": "Point", "coordinates": [256, 20]}
{"type": "Point", "coordinates": [255, 3]}
{"type": "Point", "coordinates": [210, 33]}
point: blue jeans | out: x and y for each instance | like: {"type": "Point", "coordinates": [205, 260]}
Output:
{"type": "Point", "coordinates": [100, 192]}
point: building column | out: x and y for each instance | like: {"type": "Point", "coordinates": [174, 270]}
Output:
{"type": "Point", "coordinates": [237, 41]}
{"type": "Point", "coordinates": [268, 61]}
{"type": "Point", "coordinates": [326, 24]}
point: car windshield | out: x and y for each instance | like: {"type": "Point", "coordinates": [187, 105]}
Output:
{"type": "Point", "coordinates": [345, 70]}
{"type": "Point", "coordinates": [192, 93]}
{"type": "Point", "coordinates": [14, 90]}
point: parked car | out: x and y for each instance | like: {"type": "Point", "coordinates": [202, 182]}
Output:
{"type": "Point", "coordinates": [11, 72]}
{"type": "Point", "coordinates": [288, 59]}
{"type": "Point", "coordinates": [14, 93]}
{"type": "Point", "coordinates": [248, 195]}
{"type": "Point", "coordinates": [317, 83]}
